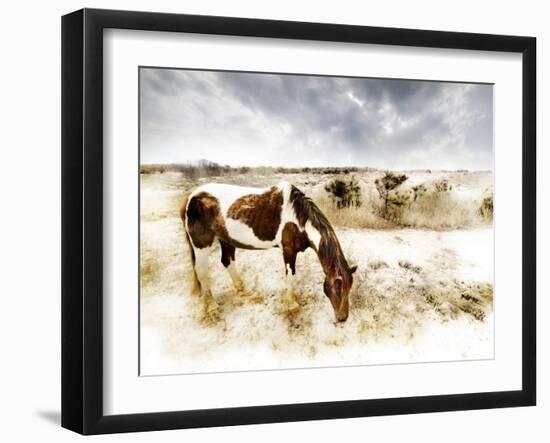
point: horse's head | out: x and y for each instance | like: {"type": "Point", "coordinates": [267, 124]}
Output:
{"type": "Point", "coordinates": [337, 288]}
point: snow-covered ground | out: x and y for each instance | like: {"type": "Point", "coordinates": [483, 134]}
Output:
{"type": "Point", "coordinates": [419, 295]}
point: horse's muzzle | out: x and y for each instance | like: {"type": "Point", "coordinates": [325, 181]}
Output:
{"type": "Point", "coordinates": [342, 317]}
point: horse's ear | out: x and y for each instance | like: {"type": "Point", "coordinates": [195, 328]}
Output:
{"type": "Point", "coordinates": [352, 269]}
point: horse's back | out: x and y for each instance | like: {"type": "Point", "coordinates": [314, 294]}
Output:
{"type": "Point", "coordinates": [246, 216]}
{"type": "Point", "coordinates": [226, 194]}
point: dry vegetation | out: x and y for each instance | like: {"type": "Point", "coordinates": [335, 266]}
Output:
{"type": "Point", "coordinates": [424, 250]}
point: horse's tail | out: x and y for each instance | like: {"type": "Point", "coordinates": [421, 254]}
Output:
{"type": "Point", "coordinates": [195, 286]}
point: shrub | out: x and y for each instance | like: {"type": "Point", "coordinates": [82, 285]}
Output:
{"type": "Point", "coordinates": [438, 207]}
{"type": "Point", "coordinates": [385, 185]}
{"type": "Point", "coordinates": [344, 192]}
{"type": "Point", "coordinates": [486, 207]}
{"type": "Point", "coordinates": [443, 186]}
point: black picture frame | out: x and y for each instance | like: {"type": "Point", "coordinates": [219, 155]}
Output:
{"type": "Point", "coordinates": [82, 219]}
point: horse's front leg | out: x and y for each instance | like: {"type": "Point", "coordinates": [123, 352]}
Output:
{"type": "Point", "coordinates": [290, 302]}
{"type": "Point", "coordinates": [292, 241]}
{"type": "Point", "coordinates": [212, 309]}
{"type": "Point", "coordinates": [228, 261]}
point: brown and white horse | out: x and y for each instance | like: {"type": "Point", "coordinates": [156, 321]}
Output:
{"type": "Point", "coordinates": [253, 218]}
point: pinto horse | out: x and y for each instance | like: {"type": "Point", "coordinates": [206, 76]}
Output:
{"type": "Point", "coordinates": [261, 218]}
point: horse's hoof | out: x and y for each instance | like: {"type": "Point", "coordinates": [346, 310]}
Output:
{"type": "Point", "coordinates": [257, 299]}
{"type": "Point", "coordinates": [243, 293]}
{"type": "Point", "coordinates": [239, 288]}
{"type": "Point", "coordinates": [213, 312]}
{"type": "Point", "coordinates": [294, 309]}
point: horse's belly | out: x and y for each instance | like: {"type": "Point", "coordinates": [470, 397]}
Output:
{"type": "Point", "coordinates": [244, 235]}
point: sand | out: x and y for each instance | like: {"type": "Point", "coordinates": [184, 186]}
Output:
{"type": "Point", "coordinates": [419, 295]}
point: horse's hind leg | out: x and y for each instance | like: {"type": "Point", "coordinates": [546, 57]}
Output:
{"type": "Point", "coordinates": [228, 260]}
{"type": "Point", "coordinates": [201, 268]}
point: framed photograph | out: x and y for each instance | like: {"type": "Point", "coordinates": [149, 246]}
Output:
{"type": "Point", "coordinates": [268, 221]}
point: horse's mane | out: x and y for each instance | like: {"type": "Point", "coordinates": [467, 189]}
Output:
{"type": "Point", "coordinates": [330, 252]}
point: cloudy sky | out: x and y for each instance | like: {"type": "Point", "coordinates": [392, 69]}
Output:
{"type": "Point", "coordinates": [289, 120]}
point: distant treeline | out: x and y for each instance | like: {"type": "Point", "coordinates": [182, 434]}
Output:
{"type": "Point", "coordinates": [206, 168]}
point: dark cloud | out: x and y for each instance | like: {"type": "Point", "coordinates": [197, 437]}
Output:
{"type": "Point", "coordinates": [295, 120]}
